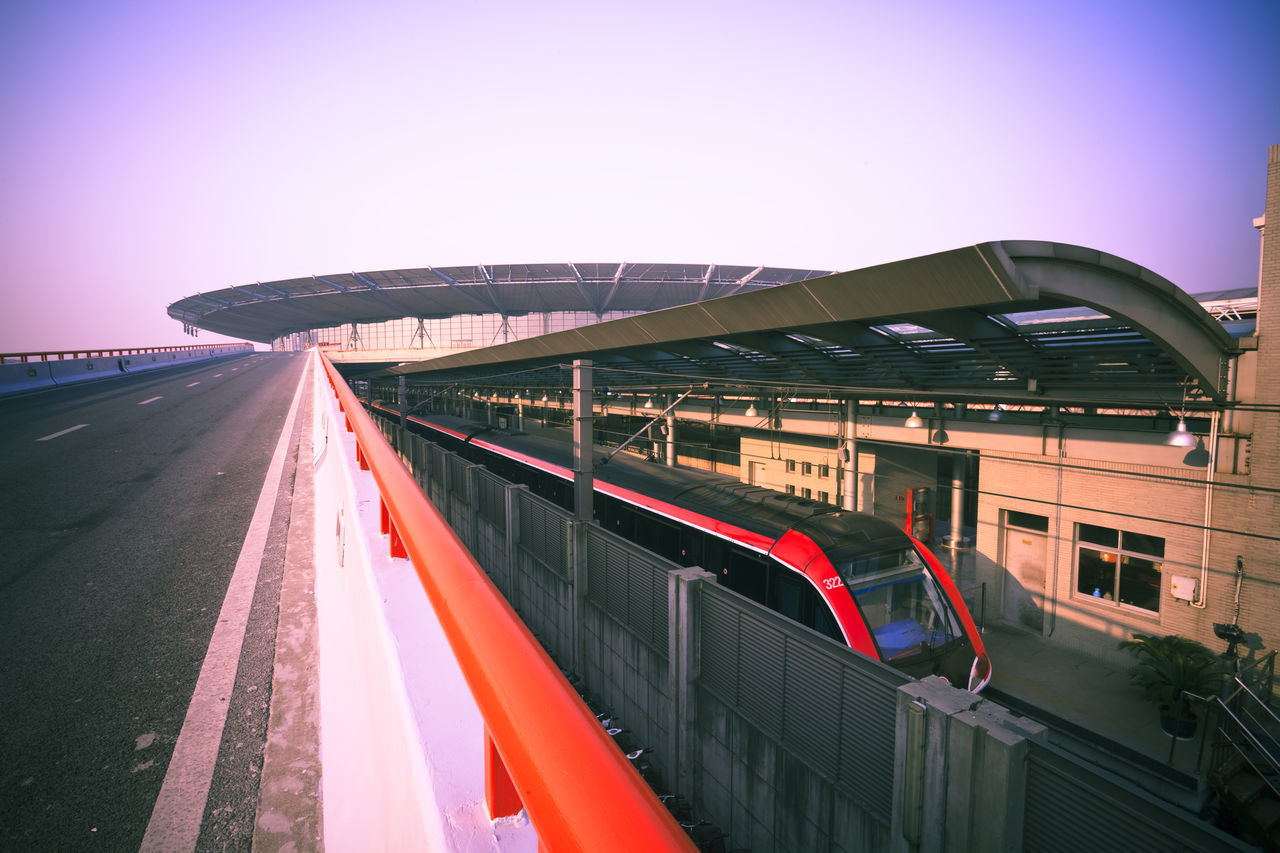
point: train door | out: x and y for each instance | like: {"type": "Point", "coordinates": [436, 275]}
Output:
{"type": "Point", "coordinates": [1025, 547]}
{"type": "Point", "coordinates": [746, 574]}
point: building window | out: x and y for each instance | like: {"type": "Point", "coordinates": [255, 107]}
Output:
{"type": "Point", "coordinates": [807, 494]}
{"type": "Point", "coordinates": [791, 489]}
{"type": "Point", "coordinates": [808, 468]}
{"type": "Point", "coordinates": [825, 497]}
{"type": "Point", "coordinates": [791, 465]}
{"type": "Point", "coordinates": [1119, 566]}
{"type": "Point", "coordinates": [824, 470]}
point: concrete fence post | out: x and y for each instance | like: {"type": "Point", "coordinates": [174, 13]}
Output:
{"type": "Point", "coordinates": [470, 526]}
{"type": "Point", "coordinates": [576, 560]}
{"type": "Point", "coordinates": [960, 771]}
{"type": "Point", "coordinates": [683, 669]}
{"type": "Point", "coordinates": [511, 498]}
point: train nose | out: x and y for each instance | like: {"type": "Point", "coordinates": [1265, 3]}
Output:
{"type": "Point", "coordinates": [980, 674]}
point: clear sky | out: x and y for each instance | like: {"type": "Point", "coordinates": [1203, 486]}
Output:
{"type": "Point", "coordinates": [155, 149]}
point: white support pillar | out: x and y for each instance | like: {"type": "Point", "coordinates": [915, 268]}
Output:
{"type": "Point", "coordinates": [849, 458]}
{"type": "Point", "coordinates": [583, 485]}
{"type": "Point", "coordinates": [404, 402]}
{"type": "Point", "coordinates": [957, 501]}
{"type": "Point", "coordinates": [671, 440]}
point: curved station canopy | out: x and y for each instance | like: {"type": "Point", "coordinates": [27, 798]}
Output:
{"type": "Point", "coordinates": [268, 310]}
{"type": "Point", "coordinates": [998, 322]}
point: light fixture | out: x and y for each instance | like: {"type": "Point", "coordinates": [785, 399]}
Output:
{"type": "Point", "coordinates": [648, 404]}
{"type": "Point", "coordinates": [996, 414]}
{"type": "Point", "coordinates": [1180, 437]}
{"type": "Point", "coordinates": [915, 421]}
{"type": "Point", "coordinates": [940, 436]}
{"type": "Point", "coordinates": [544, 398]}
{"type": "Point", "coordinates": [1197, 457]}
{"type": "Point", "coordinates": [751, 410]}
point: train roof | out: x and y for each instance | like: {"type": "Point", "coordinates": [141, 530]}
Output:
{"type": "Point", "coordinates": [718, 496]}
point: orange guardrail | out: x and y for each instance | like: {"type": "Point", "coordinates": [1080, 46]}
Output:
{"type": "Point", "coordinates": [61, 355]}
{"type": "Point", "coordinates": [544, 750]}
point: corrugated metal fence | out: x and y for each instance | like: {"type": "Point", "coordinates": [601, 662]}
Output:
{"type": "Point", "coordinates": [783, 738]}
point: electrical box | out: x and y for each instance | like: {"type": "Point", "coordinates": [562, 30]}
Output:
{"type": "Point", "coordinates": [1183, 588]}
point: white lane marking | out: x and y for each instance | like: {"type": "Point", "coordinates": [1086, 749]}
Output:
{"type": "Point", "coordinates": [62, 432]}
{"type": "Point", "coordinates": [216, 375]}
{"type": "Point", "coordinates": [152, 400]}
{"type": "Point", "coordinates": [175, 820]}
{"type": "Point", "coordinates": [192, 384]}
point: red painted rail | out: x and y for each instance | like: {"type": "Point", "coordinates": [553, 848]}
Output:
{"type": "Point", "coordinates": [21, 357]}
{"type": "Point", "coordinates": [544, 748]}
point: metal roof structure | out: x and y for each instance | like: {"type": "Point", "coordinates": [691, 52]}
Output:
{"type": "Point", "coordinates": [1002, 321]}
{"type": "Point", "coordinates": [265, 311]}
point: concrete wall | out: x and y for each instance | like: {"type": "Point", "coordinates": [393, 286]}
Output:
{"type": "Point", "coordinates": [34, 375]}
{"type": "Point", "coordinates": [401, 738]}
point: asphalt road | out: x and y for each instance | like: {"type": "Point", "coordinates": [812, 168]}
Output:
{"type": "Point", "coordinates": [124, 504]}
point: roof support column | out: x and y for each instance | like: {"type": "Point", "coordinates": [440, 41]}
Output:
{"type": "Point", "coordinates": [404, 402]}
{"type": "Point", "coordinates": [848, 457]}
{"type": "Point", "coordinates": [671, 440]}
{"type": "Point", "coordinates": [583, 484]}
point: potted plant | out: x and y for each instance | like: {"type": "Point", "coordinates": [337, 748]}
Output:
{"type": "Point", "coordinates": [1168, 667]}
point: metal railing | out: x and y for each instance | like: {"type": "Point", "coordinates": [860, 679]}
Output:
{"type": "Point", "coordinates": [545, 750]}
{"type": "Point", "coordinates": [24, 357]}
{"type": "Point", "coordinates": [1249, 731]}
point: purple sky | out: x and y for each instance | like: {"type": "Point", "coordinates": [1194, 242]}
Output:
{"type": "Point", "coordinates": [154, 150]}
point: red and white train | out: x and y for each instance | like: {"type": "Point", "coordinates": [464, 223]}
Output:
{"type": "Point", "coordinates": [855, 578]}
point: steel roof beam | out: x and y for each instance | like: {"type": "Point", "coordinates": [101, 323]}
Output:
{"type": "Point", "coordinates": [463, 290]}
{"type": "Point", "coordinates": [332, 284]}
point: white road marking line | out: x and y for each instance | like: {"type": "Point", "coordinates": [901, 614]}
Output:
{"type": "Point", "coordinates": [152, 400]}
{"type": "Point", "coordinates": [62, 432]}
{"type": "Point", "coordinates": [175, 820]}
{"type": "Point", "coordinates": [192, 384]}
{"type": "Point", "coordinates": [216, 375]}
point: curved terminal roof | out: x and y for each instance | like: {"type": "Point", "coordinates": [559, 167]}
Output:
{"type": "Point", "coordinates": [998, 321]}
{"type": "Point", "coordinates": [265, 311]}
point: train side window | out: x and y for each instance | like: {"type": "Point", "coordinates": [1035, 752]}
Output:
{"type": "Point", "coordinates": [788, 595]}
{"type": "Point", "coordinates": [824, 621]}
{"type": "Point", "coordinates": [715, 557]}
{"type": "Point", "coordinates": [746, 575]}
{"type": "Point", "coordinates": [659, 537]}
{"type": "Point", "coordinates": [690, 546]}
{"type": "Point", "coordinates": [796, 598]}
{"type": "Point", "coordinates": [620, 518]}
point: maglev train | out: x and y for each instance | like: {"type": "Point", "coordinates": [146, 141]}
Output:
{"type": "Point", "coordinates": [858, 579]}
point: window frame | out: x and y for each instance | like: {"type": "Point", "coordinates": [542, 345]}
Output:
{"type": "Point", "coordinates": [1086, 543]}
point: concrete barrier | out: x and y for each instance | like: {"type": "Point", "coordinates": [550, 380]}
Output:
{"type": "Point", "coordinates": [36, 374]}
{"type": "Point", "coordinates": [24, 377]}
{"type": "Point", "coordinates": [73, 370]}
{"type": "Point", "coordinates": [403, 741]}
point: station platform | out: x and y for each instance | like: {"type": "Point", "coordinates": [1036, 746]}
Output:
{"type": "Point", "coordinates": [1093, 711]}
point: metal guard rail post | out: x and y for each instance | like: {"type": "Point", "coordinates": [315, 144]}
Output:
{"type": "Point", "coordinates": [544, 747]}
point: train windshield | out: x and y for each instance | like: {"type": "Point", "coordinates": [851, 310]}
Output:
{"type": "Point", "coordinates": [901, 601]}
